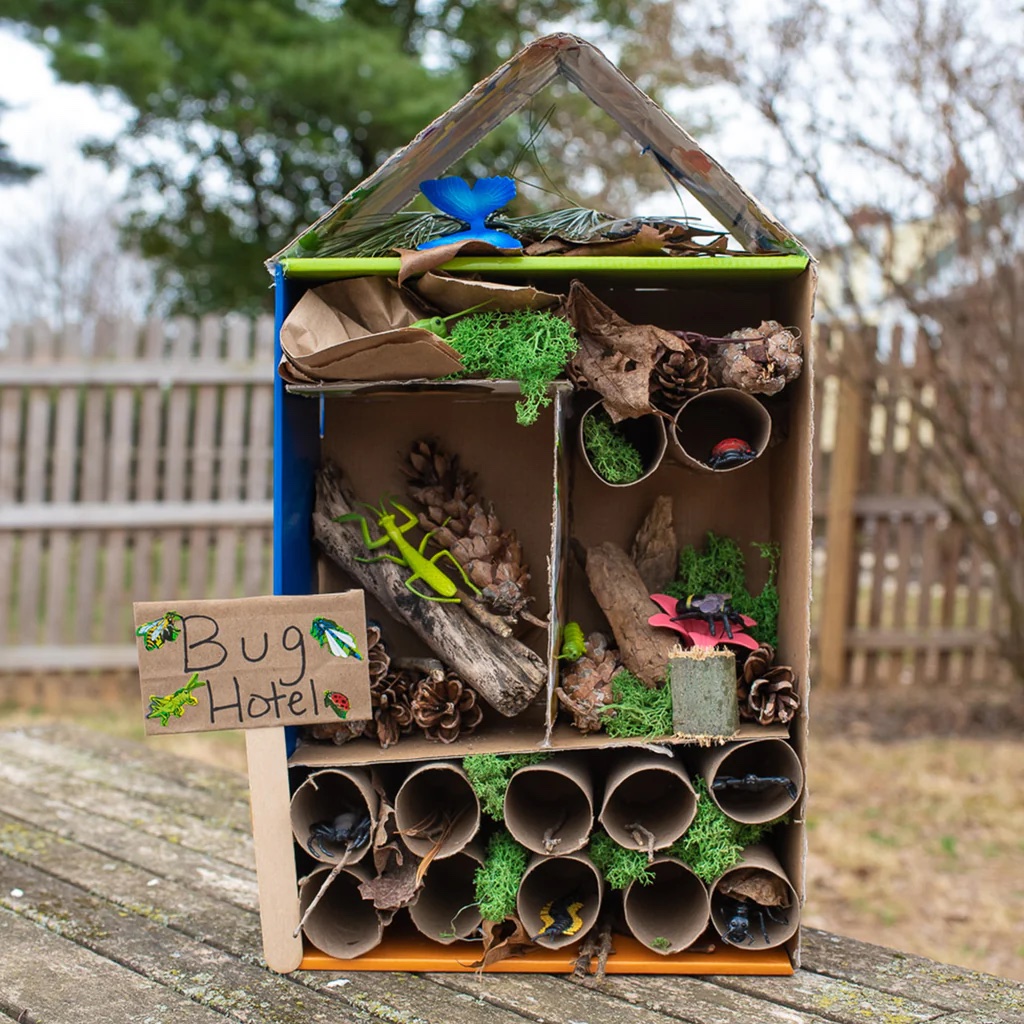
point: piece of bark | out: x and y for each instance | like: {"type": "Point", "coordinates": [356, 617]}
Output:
{"type": "Point", "coordinates": [655, 550]}
{"type": "Point", "coordinates": [623, 596]}
{"type": "Point", "coordinates": [505, 672]}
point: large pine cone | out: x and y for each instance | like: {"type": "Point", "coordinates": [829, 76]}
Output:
{"type": "Point", "coordinates": [445, 707]}
{"type": "Point", "coordinates": [677, 376]}
{"type": "Point", "coordinates": [586, 685]}
{"type": "Point", "coordinates": [467, 527]}
{"type": "Point", "coordinates": [767, 692]}
{"type": "Point", "coordinates": [377, 660]}
{"type": "Point", "coordinates": [761, 360]}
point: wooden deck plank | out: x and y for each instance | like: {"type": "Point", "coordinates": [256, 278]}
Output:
{"type": "Point", "coordinates": [79, 985]}
{"type": "Point", "coordinates": [166, 791]}
{"type": "Point", "coordinates": [130, 757]}
{"type": "Point", "coordinates": [200, 973]}
{"type": "Point", "coordinates": [834, 999]}
{"type": "Point", "coordinates": [161, 858]}
{"type": "Point", "coordinates": [888, 970]}
{"type": "Point", "coordinates": [182, 829]}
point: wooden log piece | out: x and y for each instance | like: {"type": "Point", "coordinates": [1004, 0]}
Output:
{"type": "Point", "coordinates": [623, 597]}
{"type": "Point", "coordinates": [505, 672]}
{"type": "Point", "coordinates": [703, 682]}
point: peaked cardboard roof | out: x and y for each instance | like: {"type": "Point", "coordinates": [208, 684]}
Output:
{"type": "Point", "coordinates": [509, 88]}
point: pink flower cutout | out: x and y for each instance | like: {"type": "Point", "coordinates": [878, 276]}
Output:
{"type": "Point", "coordinates": [696, 631]}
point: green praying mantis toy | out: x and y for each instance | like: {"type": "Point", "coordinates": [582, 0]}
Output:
{"type": "Point", "coordinates": [423, 568]}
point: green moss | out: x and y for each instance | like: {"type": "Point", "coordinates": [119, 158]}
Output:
{"type": "Point", "coordinates": [497, 879]}
{"type": "Point", "coordinates": [714, 842]}
{"type": "Point", "coordinates": [612, 455]}
{"type": "Point", "coordinates": [489, 774]}
{"type": "Point", "coordinates": [720, 568]}
{"type": "Point", "coordinates": [638, 709]}
{"type": "Point", "coordinates": [619, 866]}
{"type": "Point", "coordinates": [529, 346]}
{"type": "Point", "coordinates": [660, 942]}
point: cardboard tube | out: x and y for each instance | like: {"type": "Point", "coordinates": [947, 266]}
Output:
{"type": "Point", "coordinates": [646, 433]}
{"type": "Point", "coordinates": [342, 924]}
{"type": "Point", "coordinates": [550, 879]}
{"type": "Point", "coordinates": [325, 795]}
{"type": "Point", "coordinates": [446, 909]}
{"type": "Point", "coordinates": [433, 794]}
{"type": "Point", "coordinates": [712, 416]}
{"type": "Point", "coordinates": [549, 807]}
{"type": "Point", "coordinates": [766, 758]}
{"type": "Point", "coordinates": [780, 922]}
{"type": "Point", "coordinates": [649, 790]}
{"type": "Point", "coordinates": [670, 913]}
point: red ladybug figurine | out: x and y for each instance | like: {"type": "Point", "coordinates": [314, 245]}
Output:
{"type": "Point", "coordinates": [731, 451]}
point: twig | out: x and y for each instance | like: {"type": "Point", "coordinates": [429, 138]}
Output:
{"type": "Point", "coordinates": [643, 836]}
{"type": "Point", "coordinates": [549, 840]}
{"type": "Point", "coordinates": [323, 888]}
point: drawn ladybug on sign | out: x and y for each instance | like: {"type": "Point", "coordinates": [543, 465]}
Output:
{"type": "Point", "coordinates": [337, 702]}
{"type": "Point", "coordinates": [729, 452]}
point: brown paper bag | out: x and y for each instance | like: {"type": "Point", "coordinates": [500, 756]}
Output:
{"type": "Point", "coordinates": [358, 329]}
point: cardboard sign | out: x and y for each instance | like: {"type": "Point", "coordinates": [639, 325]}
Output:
{"type": "Point", "coordinates": [252, 663]}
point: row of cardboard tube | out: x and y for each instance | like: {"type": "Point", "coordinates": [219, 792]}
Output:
{"type": "Point", "coordinates": [549, 809]}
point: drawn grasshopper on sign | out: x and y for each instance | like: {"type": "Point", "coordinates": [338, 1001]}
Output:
{"type": "Point", "coordinates": [423, 568]}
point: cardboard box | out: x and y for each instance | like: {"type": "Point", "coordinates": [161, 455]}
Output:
{"type": "Point", "coordinates": [365, 427]}
{"type": "Point", "coordinates": [539, 483]}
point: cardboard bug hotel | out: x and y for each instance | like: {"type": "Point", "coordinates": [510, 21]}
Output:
{"type": "Point", "coordinates": [543, 497]}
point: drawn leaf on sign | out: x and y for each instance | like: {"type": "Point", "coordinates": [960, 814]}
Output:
{"type": "Point", "coordinates": [341, 643]}
{"type": "Point", "coordinates": [175, 703]}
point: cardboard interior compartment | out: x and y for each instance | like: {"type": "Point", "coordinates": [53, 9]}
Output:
{"type": "Point", "coordinates": [670, 913]}
{"type": "Point", "coordinates": [342, 923]}
{"type": "Point", "coordinates": [446, 910]}
{"type": "Point", "coordinates": [756, 928]}
{"type": "Point", "coordinates": [650, 791]}
{"type": "Point", "coordinates": [367, 429]}
{"type": "Point", "coordinates": [571, 878]}
{"type": "Point", "coordinates": [435, 804]}
{"type": "Point", "coordinates": [549, 807]}
{"type": "Point", "coordinates": [764, 758]}
{"type": "Point", "coordinates": [320, 799]}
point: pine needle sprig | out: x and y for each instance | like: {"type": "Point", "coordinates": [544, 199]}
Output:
{"type": "Point", "coordinates": [497, 880]}
{"type": "Point", "coordinates": [528, 346]}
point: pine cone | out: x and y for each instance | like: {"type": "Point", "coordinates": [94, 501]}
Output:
{"type": "Point", "coordinates": [767, 692]}
{"type": "Point", "coordinates": [467, 527]}
{"type": "Point", "coordinates": [586, 685]}
{"type": "Point", "coordinates": [761, 360]}
{"type": "Point", "coordinates": [377, 660]}
{"type": "Point", "coordinates": [677, 376]}
{"type": "Point", "coordinates": [445, 707]}
{"type": "Point", "coordinates": [392, 710]}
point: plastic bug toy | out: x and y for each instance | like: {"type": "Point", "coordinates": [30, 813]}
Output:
{"type": "Point", "coordinates": [350, 829]}
{"type": "Point", "coordinates": [751, 783]}
{"type": "Point", "coordinates": [710, 607]}
{"type": "Point", "coordinates": [423, 568]}
{"type": "Point", "coordinates": [729, 452]}
{"type": "Point", "coordinates": [560, 917]}
{"type": "Point", "coordinates": [741, 914]}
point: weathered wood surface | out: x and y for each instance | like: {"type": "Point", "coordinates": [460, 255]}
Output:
{"type": "Point", "coordinates": [127, 894]}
